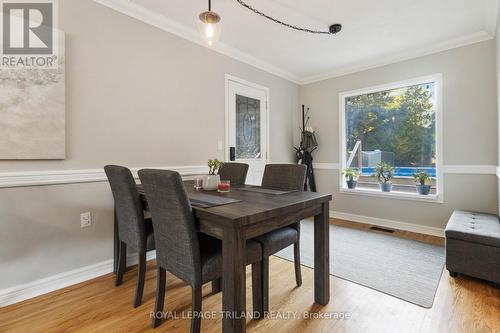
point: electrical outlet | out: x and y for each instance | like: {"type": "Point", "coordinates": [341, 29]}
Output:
{"type": "Point", "coordinates": [219, 145]}
{"type": "Point", "coordinates": [85, 220]}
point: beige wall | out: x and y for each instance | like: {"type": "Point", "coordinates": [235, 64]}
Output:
{"type": "Point", "coordinates": [497, 58]}
{"type": "Point", "coordinates": [136, 96]}
{"type": "Point", "coordinates": [470, 132]}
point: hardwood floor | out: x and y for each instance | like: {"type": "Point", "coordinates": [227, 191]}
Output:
{"type": "Point", "coordinates": [461, 305]}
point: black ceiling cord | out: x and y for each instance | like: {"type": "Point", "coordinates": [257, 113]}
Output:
{"type": "Point", "coordinates": [333, 29]}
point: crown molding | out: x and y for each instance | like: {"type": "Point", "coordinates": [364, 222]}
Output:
{"type": "Point", "coordinates": [147, 16]}
{"type": "Point", "coordinates": [402, 56]}
{"type": "Point", "coordinates": [161, 22]}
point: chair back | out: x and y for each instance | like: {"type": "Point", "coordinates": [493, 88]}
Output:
{"type": "Point", "coordinates": [234, 172]}
{"type": "Point", "coordinates": [176, 238]}
{"type": "Point", "coordinates": [284, 176]}
{"type": "Point", "coordinates": [128, 207]}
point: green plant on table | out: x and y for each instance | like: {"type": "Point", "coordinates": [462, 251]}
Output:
{"type": "Point", "coordinates": [214, 166]}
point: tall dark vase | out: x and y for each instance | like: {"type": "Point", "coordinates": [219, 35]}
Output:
{"type": "Point", "coordinates": [310, 181]}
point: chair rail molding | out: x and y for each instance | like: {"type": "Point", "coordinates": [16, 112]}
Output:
{"type": "Point", "coordinates": [54, 177]}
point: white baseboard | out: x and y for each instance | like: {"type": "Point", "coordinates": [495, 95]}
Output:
{"type": "Point", "coordinates": [46, 285]}
{"type": "Point", "coordinates": [421, 229]}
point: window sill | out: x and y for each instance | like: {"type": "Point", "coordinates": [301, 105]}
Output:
{"type": "Point", "coordinates": [433, 198]}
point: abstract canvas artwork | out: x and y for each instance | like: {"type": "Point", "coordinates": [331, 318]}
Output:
{"type": "Point", "coordinates": [32, 112]}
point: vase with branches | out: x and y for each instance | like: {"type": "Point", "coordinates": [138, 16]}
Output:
{"type": "Point", "coordinates": [308, 144]}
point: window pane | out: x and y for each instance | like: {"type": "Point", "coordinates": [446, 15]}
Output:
{"type": "Point", "coordinates": [396, 126]}
{"type": "Point", "coordinates": [247, 127]}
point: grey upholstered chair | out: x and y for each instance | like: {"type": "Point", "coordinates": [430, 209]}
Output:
{"type": "Point", "coordinates": [281, 177]}
{"type": "Point", "coordinates": [234, 172]}
{"type": "Point", "coordinates": [133, 230]}
{"type": "Point", "coordinates": [193, 257]}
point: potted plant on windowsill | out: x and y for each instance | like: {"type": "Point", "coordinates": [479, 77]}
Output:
{"type": "Point", "coordinates": [351, 177]}
{"type": "Point", "coordinates": [384, 173]}
{"type": "Point", "coordinates": [421, 177]}
{"type": "Point", "coordinates": [212, 180]}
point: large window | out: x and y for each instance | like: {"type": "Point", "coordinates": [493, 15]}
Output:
{"type": "Point", "coordinates": [396, 126]}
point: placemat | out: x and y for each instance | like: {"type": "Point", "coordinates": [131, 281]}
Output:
{"type": "Point", "coordinates": [263, 190]}
{"type": "Point", "coordinates": [207, 200]}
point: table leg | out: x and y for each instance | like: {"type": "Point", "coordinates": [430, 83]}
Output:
{"type": "Point", "coordinates": [322, 256]}
{"type": "Point", "coordinates": [233, 279]}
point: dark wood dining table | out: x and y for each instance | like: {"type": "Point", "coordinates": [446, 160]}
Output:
{"type": "Point", "coordinates": [254, 214]}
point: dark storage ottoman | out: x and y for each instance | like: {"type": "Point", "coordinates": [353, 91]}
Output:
{"type": "Point", "coordinates": [473, 245]}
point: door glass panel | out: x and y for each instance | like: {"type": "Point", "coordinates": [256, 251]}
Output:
{"type": "Point", "coordinates": [247, 128]}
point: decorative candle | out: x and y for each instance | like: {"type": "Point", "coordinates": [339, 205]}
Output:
{"type": "Point", "coordinates": [224, 186]}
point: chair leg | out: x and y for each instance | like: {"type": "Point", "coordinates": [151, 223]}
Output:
{"type": "Point", "coordinates": [196, 313]}
{"type": "Point", "coordinates": [265, 284]}
{"type": "Point", "coordinates": [160, 296]}
{"type": "Point", "coordinates": [141, 276]}
{"type": "Point", "coordinates": [298, 271]}
{"type": "Point", "coordinates": [217, 286]}
{"type": "Point", "coordinates": [122, 261]}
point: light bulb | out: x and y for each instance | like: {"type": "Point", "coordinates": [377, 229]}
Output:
{"type": "Point", "coordinates": [209, 31]}
{"type": "Point", "coordinates": [209, 27]}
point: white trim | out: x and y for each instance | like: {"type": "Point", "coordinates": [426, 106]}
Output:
{"type": "Point", "coordinates": [159, 21]}
{"type": "Point", "coordinates": [371, 192]}
{"type": "Point", "coordinates": [326, 166]}
{"type": "Point", "coordinates": [227, 78]}
{"type": "Point", "coordinates": [498, 171]}
{"type": "Point", "coordinates": [55, 282]}
{"type": "Point", "coordinates": [51, 177]}
{"type": "Point", "coordinates": [55, 177]}
{"type": "Point", "coordinates": [399, 57]}
{"type": "Point", "coordinates": [438, 81]}
{"type": "Point", "coordinates": [470, 169]}
{"type": "Point", "coordinates": [421, 229]}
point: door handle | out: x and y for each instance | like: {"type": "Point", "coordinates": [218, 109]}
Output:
{"type": "Point", "coordinates": [232, 153]}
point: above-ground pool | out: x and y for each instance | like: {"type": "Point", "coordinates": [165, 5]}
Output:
{"type": "Point", "coordinates": [403, 171]}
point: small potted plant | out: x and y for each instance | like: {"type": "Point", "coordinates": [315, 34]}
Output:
{"type": "Point", "coordinates": [211, 181]}
{"type": "Point", "coordinates": [421, 177]}
{"type": "Point", "coordinates": [351, 177]}
{"type": "Point", "coordinates": [384, 172]}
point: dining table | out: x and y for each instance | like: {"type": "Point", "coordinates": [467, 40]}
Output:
{"type": "Point", "coordinates": [247, 212]}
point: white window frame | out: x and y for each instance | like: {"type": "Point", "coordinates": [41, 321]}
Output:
{"type": "Point", "coordinates": [439, 196]}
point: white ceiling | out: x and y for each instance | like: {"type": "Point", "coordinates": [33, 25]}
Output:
{"type": "Point", "coordinates": [374, 32]}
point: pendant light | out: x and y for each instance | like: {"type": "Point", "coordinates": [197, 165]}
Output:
{"type": "Point", "coordinates": [209, 26]}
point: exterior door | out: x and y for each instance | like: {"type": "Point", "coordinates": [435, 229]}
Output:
{"type": "Point", "coordinates": [247, 126]}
